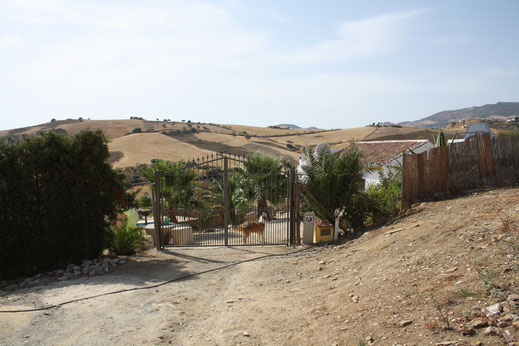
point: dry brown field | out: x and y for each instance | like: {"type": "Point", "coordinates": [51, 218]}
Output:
{"type": "Point", "coordinates": [173, 140]}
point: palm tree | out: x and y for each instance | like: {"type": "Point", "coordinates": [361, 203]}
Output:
{"type": "Point", "coordinates": [178, 183]}
{"type": "Point", "coordinates": [335, 179]}
{"type": "Point", "coordinates": [264, 180]}
{"type": "Point", "coordinates": [236, 199]}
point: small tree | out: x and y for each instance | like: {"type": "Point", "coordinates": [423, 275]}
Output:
{"type": "Point", "coordinates": [178, 184]}
{"type": "Point", "coordinates": [335, 179]}
{"type": "Point", "coordinates": [264, 180]}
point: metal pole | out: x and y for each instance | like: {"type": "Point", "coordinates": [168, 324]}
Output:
{"type": "Point", "coordinates": [158, 212]}
{"type": "Point", "coordinates": [226, 199]}
{"type": "Point", "coordinates": [292, 207]}
{"type": "Point", "coordinates": [296, 207]}
{"type": "Point", "coordinates": [155, 214]}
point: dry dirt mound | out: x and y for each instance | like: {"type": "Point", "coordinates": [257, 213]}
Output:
{"type": "Point", "coordinates": [427, 278]}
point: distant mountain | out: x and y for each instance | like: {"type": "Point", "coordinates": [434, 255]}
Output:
{"type": "Point", "coordinates": [288, 126]}
{"type": "Point", "coordinates": [500, 110]}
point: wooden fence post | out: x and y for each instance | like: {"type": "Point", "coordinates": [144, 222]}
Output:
{"type": "Point", "coordinates": [405, 202]}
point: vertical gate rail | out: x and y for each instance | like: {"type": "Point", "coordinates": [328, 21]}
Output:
{"type": "Point", "coordinates": [157, 210]}
{"type": "Point", "coordinates": [226, 199]}
{"type": "Point", "coordinates": [292, 217]}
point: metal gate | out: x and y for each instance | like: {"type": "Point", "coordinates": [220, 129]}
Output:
{"type": "Point", "coordinates": [224, 200]}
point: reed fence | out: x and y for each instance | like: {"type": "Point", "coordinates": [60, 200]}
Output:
{"type": "Point", "coordinates": [478, 162]}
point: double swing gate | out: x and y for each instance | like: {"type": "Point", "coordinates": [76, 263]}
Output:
{"type": "Point", "coordinates": [224, 200]}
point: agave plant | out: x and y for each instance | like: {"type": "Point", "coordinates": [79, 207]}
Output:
{"type": "Point", "coordinates": [439, 141]}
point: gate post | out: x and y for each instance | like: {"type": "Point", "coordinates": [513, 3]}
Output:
{"type": "Point", "coordinates": [157, 212]}
{"type": "Point", "coordinates": [226, 199]}
{"type": "Point", "coordinates": [292, 207]}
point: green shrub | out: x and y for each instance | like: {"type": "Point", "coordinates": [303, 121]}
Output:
{"type": "Point", "coordinates": [56, 194]}
{"type": "Point", "coordinates": [385, 198]}
{"type": "Point", "coordinates": [127, 237]}
{"type": "Point", "coordinates": [144, 201]}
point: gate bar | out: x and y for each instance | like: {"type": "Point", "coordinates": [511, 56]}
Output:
{"type": "Point", "coordinates": [158, 212]}
{"type": "Point", "coordinates": [226, 199]}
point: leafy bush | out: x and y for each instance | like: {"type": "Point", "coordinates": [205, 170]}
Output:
{"type": "Point", "coordinates": [56, 194]}
{"type": "Point", "coordinates": [126, 237]}
{"type": "Point", "coordinates": [386, 197]}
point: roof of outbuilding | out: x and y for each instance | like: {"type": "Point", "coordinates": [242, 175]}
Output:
{"type": "Point", "coordinates": [381, 152]}
{"type": "Point", "coordinates": [478, 128]}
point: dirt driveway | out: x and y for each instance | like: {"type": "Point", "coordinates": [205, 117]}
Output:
{"type": "Point", "coordinates": [428, 277]}
{"type": "Point", "coordinates": [203, 309]}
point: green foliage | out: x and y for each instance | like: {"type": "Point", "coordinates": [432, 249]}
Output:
{"type": "Point", "coordinates": [264, 179]}
{"type": "Point", "coordinates": [56, 194]}
{"type": "Point", "coordinates": [178, 183]}
{"type": "Point", "coordinates": [440, 140]}
{"type": "Point", "coordinates": [385, 198]}
{"type": "Point", "coordinates": [144, 201]}
{"type": "Point", "coordinates": [238, 203]}
{"type": "Point", "coordinates": [137, 130]}
{"type": "Point", "coordinates": [335, 179]}
{"type": "Point", "coordinates": [489, 280]}
{"type": "Point", "coordinates": [127, 237]}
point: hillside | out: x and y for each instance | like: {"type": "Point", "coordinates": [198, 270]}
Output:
{"type": "Point", "coordinates": [138, 141]}
{"type": "Point", "coordinates": [432, 276]}
{"type": "Point", "coordinates": [500, 110]}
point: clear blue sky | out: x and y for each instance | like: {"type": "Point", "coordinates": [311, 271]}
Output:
{"type": "Point", "coordinates": [331, 64]}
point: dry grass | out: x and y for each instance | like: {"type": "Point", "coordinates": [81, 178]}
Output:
{"type": "Point", "coordinates": [336, 138]}
{"type": "Point", "coordinates": [264, 131]}
{"type": "Point", "coordinates": [142, 147]}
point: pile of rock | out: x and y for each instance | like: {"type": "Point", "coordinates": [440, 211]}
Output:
{"type": "Point", "coordinates": [89, 267]}
{"type": "Point", "coordinates": [98, 266]}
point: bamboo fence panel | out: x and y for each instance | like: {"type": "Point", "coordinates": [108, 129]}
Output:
{"type": "Point", "coordinates": [478, 162]}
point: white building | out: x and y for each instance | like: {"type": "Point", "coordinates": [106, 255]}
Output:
{"type": "Point", "coordinates": [383, 156]}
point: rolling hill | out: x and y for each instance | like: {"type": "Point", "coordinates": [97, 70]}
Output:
{"type": "Point", "coordinates": [500, 110]}
{"type": "Point", "coordinates": [138, 141]}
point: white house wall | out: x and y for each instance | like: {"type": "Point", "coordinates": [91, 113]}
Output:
{"type": "Point", "coordinates": [374, 178]}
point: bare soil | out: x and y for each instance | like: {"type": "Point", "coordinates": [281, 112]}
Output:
{"type": "Point", "coordinates": [421, 279]}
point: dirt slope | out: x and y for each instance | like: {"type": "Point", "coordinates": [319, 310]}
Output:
{"type": "Point", "coordinates": [435, 269]}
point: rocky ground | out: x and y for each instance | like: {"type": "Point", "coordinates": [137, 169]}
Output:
{"type": "Point", "coordinates": [446, 273]}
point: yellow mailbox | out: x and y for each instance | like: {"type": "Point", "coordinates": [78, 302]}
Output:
{"type": "Point", "coordinates": [323, 231]}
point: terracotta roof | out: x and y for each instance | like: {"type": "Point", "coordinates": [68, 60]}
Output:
{"type": "Point", "coordinates": [381, 152]}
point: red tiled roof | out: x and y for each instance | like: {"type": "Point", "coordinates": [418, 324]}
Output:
{"type": "Point", "coordinates": [381, 152]}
